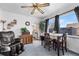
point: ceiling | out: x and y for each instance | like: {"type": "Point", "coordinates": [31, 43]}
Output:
{"type": "Point", "coordinates": [50, 11]}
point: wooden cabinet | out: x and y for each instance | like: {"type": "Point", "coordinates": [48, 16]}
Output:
{"type": "Point", "coordinates": [26, 39]}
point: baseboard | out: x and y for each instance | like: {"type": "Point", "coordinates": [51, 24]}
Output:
{"type": "Point", "coordinates": [73, 52]}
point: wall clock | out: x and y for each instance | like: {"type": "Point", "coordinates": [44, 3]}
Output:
{"type": "Point", "coordinates": [27, 23]}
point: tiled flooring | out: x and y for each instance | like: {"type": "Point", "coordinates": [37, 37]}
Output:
{"type": "Point", "coordinates": [36, 49]}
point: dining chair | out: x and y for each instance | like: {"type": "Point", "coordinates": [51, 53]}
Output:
{"type": "Point", "coordinates": [61, 43]}
{"type": "Point", "coordinates": [47, 41]}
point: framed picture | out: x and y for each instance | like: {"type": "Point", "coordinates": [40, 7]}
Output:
{"type": "Point", "coordinates": [27, 23]}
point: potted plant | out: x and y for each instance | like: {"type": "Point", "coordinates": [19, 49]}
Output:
{"type": "Point", "coordinates": [42, 26]}
{"type": "Point", "coordinates": [24, 30]}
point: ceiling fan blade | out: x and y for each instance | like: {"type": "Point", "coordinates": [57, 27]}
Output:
{"type": "Point", "coordinates": [40, 10]}
{"type": "Point", "coordinates": [26, 6]}
{"type": "Point", "coordinates": [43, 5]}
{"type": "Point", "coordinates": [33, 11]}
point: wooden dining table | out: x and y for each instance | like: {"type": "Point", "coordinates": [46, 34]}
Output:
{"type": "Point", "coordinates": [57, 37]}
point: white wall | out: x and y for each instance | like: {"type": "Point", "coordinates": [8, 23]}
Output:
{"type": "Point", "coordinates": [21, 19]}
{"type": "Point", "coordinates": [0, 19]}
{"type": "Point", "coordinates": [73, 43]}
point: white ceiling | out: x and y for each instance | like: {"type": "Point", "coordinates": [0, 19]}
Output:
{"type": "Point", "coordinates": [50, 11]}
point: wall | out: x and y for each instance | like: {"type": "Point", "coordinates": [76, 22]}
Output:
{"type": "Point", "coordinates": [21, 19]}
{"type": "Point", "coordinates": [0, 19]}
{"type": "Point", "coordinates": [73, 43]}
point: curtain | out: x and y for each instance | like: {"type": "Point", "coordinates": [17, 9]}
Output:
{"type": "Point", "coordinates": [46, 24]}
{"type": "Point", "coordinates": [77, 12]}
{"type": "Point", "coordinates": [56, 26]}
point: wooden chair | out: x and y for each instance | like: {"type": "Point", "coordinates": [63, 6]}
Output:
{"type": "Point", "coordinates": [47, 41]}
{"type": "Point", "coordinates": [62, 44]}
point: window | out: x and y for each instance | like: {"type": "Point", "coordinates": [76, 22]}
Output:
{"type": "Point", "coordinates": [51, 25]}
{"type": "Point", "coordinates": [67, 18]}
{"type": "Point", "coordinates": [68, 23]}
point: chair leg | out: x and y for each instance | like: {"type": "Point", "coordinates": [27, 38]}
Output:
{"type": "Point", "coordinates": [49, 46]}
{"type": "Point", "coordinates": [65, 49]}
{"type": "Point", "coordinates": [58, 48]}
{"type": "Point", "coordinates": [41, 42]}
{"type": "Point", "coordinates": [53, 45]}
{"type": "Point", "coordinates": [66, 46]}
{"type": "Point", "coordinates": [58, 51]}
{"type": "Point", "coordinates": [62, 50]}
{"type": "Point", "coordinates": [44, 45]}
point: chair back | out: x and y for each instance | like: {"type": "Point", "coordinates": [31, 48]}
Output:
{"type": "Point", "coordinates": [64, 37]}
{"type": "Point", "coordinates": [47, 37]}
{"type": "Point", "coordinates": [7, 37]}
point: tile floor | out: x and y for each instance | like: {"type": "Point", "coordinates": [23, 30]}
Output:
{"type": "Point", "coordinates": [35, 49]}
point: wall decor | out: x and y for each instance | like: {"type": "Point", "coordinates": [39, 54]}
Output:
{"type": "Point", "coordinates": [14, 21]}
{"type": "Point", "coordinates": [11, 24]}
{"type": "Point", "coordinates": [3, 22]}
{"type": "Point", "coordinates": [27, 23]}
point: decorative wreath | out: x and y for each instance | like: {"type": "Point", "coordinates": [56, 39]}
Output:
{"type": "Point", "coordinates": [27, 23]}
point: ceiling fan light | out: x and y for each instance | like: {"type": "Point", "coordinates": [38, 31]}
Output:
{"type": "Point", "coordinates": [37, 6]}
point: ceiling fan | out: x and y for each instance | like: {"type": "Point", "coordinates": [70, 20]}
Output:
{"type": "Point", "coordinates": [36, 6]}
